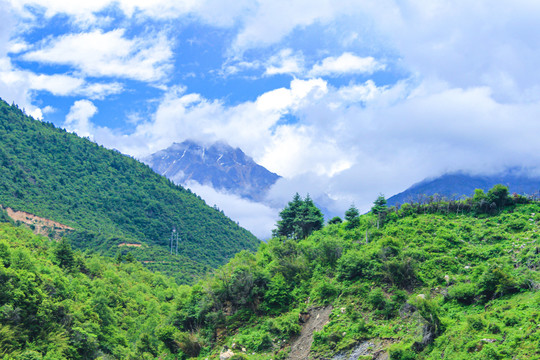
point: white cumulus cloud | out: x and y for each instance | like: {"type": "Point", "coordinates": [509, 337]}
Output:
{"type": "Point", "coordinates": [78, 118]}
{"type": "Point", "coordinates": [108, 54]}
{"type": "Point", "coordinates": [346, 63]}
{"type": "Point", "coordinates": [285, 62]}
{"type": "Point", "coordinates": [283, 99]}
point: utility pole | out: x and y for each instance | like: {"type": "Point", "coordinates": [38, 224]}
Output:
{"type": "Point", "coordinates": [174, 241]}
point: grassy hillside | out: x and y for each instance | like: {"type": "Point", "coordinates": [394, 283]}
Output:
{"type": "Point", "coordinates": [109, 198]}
{"type": "Point", "coordinates": [429, 283]}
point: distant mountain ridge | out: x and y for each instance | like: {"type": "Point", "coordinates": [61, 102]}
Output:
{"type": "Point", "coordinates": [218, 165]}
{"type": "Point", "coordinates": [456, 185]}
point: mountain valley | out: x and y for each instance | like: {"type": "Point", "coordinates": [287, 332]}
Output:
{"type": "Point", "coordinates": [104, 278]}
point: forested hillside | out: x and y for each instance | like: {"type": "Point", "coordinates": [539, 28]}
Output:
{"type": "Point", "coordinates": [57, 304]}
{"type": "Point", "coordinates": [445, 280]}
{"type": "Point", "coordinates": [450, 280]}
{"type": "Point", "coordinates": [110, 199]}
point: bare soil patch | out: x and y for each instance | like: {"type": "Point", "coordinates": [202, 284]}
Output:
{"type": "Point", "coordinates": [39, 225]}
{"type": "Point", "coordinates": [127, 244]}
{"type": "Point", "coordinates": [318, 317]}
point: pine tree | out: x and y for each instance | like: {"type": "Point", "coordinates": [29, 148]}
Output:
{"type": "Point", "coordinates": [379, 208]}
{"type": "Point", "coordinates": [299, 219]}
{"type": "Point", "coordinates": [353, 217]}
{"type": "Point", "coordinates": [285, 226]}
{"type": "Point", "coordinates": [309, 219]}
{"type": "Point", "coordinates": [64, 254]}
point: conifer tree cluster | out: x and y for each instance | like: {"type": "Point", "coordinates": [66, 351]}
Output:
{"type": "Point", "coordinates": [299, 219]}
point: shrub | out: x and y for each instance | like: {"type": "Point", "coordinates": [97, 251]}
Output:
{"type": "Point", "coordinates": [285, 325]}
{"type": "Point", "coordinates": [29, 355]}
{"type": "Point", "coordinates": [359, 327]}
{"type": "Point", "coordinates": [516, 225]}
{"type": "Point", "coordinates": [239, 357]}
{"type": "Point", "coordinates": [511, 320]}
{"type": "Point", "coordinates": [277, 298]}
{"type": "Point", "coordinates": [64, 254]}
{"type": "Point", "coordinates": [429, 310]}
{"type": "Point", "coordinates": [399, 297]}
{"type": "Point", "coordinates": [377, 299]}
{"type": "Point", "coordinates": [496, 281]}
{"type": "Point", "coordinates": [283, 354]}
{"type": "Point", "coordinates": [190, 344]}
{"type": "Point", "coordinates": [475, 322]}
{"type": "Point", "coordinates": [330, 250]}
{"type": "Point", "coordinates": [494, 328]}
{"type": "Point", "coordinates": [324, 291]}
{"type": "Point", "coordinates": [489, 351]}
{"type": "Point", "coordinates": [463, 293]}
{"type": "Point", "coordinates": [406, 210]}
{"type": "Point", "coordinates": [351, 265]}
{"type": "Point", "coordinates": [167, 334]}
{"type": "Point", "coordinates": [399, 352]}
{"type": "Point", "coordinates": [5, 255]}
{"type": "Point", "coordinates": [255, 340]}
{"type": "Point", "coordinates": [390, 247]}
{"type": "Point", "coordinates": [498, 194]}
{"type": "Point", "coordinates": [400, 272]}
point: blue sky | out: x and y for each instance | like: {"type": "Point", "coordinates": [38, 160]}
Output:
{"type": "Point", "coordinates": [344, 99]}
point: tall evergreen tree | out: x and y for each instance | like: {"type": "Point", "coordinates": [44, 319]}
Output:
{"type": "Point", "coordinates": [309, 219]}
{"type": "Point", "coordinates": [285, 226]}
{"type": "Point", "coordinates": [299, 218]}
{"type": "Point", "coordinates": [64, 254]}
{"type": "Point", "coordinates": [353, 217]}
{"type": "Point", "coordinates": [379, 208]}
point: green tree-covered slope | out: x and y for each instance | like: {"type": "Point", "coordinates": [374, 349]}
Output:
{"type": "Point", "coordinates": [445, 280]}
{"type": "Point", "coordinates": [109, 198]}
{"type": "Point", "coordinates": [450, 280]}
{"type": "Point", "coordinates": [55, 304]}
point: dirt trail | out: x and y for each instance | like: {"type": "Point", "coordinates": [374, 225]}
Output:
{"type": "Point", "coordinates": [318, 317]}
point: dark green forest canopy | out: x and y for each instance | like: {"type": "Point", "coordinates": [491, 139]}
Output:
{"type": "Point", "coordinates": [110, 198]}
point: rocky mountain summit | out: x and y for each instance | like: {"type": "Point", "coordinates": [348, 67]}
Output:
{"type": "Point", "coordinates": [218, 165]}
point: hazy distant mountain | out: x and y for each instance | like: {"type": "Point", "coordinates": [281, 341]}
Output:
{"type": "Point", "coordinates": [218, 165]}
{"type": "Point", "coordinates": [458, 184]}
